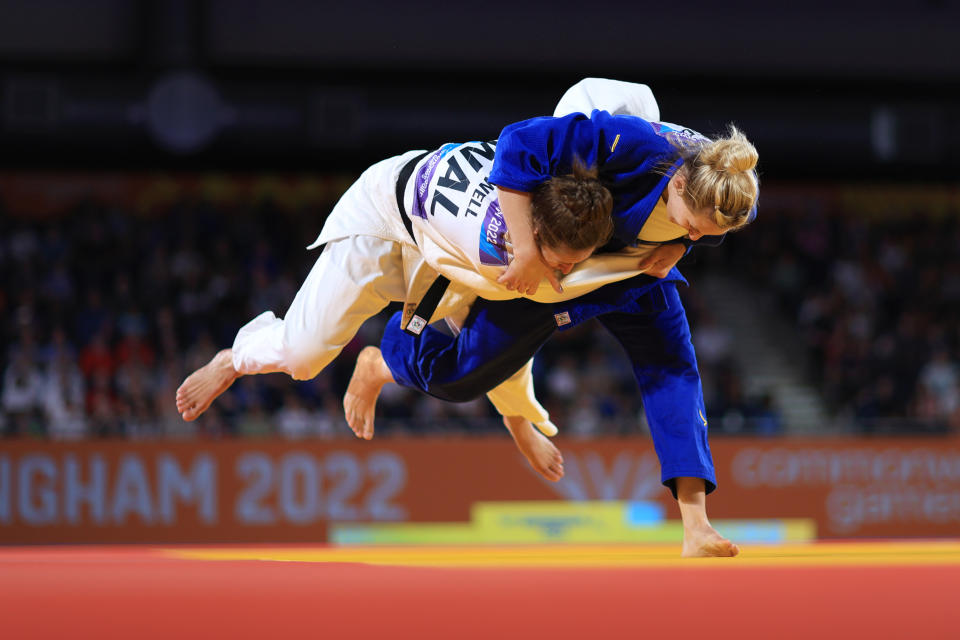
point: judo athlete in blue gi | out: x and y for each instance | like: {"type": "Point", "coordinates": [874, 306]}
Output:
{"type": "Point", "coordinates": [705, 189]}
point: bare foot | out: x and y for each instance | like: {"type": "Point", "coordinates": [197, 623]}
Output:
{"type": "Point", "coordinates": [360, 400]}
{"type": "Point", "coordinates": [542, 455]}
{"type": "Point", "coordinates": [204, 385]}
{"type": "Point", "coordinates": [704, 542]}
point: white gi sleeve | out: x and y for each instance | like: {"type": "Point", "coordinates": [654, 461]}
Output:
{"type": "Point", "coordinates": [615, 96]}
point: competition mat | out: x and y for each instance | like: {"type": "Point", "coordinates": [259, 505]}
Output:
{"type": "Point", "coordinates": [820, 590]}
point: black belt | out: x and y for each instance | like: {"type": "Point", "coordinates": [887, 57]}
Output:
{"type": "Point", "coordinates": [402, 181]}
{"type": "Point", "coordinates": [428, 304]}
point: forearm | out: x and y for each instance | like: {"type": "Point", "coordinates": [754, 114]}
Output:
{"type": "Point", "coordinates": [515, 206]}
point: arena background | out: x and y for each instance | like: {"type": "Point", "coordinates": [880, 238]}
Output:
{"type": "Point", "coordinates": [163, 164]}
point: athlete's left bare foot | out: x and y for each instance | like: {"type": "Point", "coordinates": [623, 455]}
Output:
{"type": "Point", "coordinates": [204, 385]}
{"type": "Point", "coordinates": [542, 455]}
{"type": "Point", "coordinates": [703, 541]}
{"type": "Point", "coordinates": [360, 401]}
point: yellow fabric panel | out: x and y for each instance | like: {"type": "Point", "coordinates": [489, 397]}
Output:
{"type": "Point", "coordinates": [658, 227]}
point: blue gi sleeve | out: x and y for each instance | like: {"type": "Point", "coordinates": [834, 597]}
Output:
{"type": "Point", "coordinates": [634, 161]}
{"type": "Point", "coordinates": [622, 147]}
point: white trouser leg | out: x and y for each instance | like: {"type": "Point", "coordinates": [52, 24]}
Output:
{"type": "Point", "coordinates": [514, 396]}
{"type": "Point", "coordinates": [353, 279]}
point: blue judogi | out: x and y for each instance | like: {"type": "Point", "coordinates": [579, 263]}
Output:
{"type": "Point", "coordinates": [644, 314]}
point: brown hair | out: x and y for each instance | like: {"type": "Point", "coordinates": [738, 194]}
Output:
{"type": "Point", "coordinates": [572, 211]}
{"type": "Point", "coordinates": [720, 173]}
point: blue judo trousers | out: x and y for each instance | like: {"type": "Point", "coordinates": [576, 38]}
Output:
{"type": "Point", "coordinates": [644, 314]}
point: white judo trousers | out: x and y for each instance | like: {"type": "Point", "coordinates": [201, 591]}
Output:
{"type": "Point", "coordinates": [370, 260]}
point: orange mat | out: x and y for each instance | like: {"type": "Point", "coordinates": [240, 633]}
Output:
{"type": "Point", "coordinates": [843, 590]}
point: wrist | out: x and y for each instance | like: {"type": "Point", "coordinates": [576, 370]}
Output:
{"type": "Point", "coordinates": [525, 255]}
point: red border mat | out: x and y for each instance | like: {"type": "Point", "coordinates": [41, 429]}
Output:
{"type": "Point", "coordinates": [152, 592]}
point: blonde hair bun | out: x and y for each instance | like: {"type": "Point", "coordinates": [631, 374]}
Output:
{"type": "Point", "coordinates": [733, 153]}
{"type": "Point", "coordinates": [720, 174]}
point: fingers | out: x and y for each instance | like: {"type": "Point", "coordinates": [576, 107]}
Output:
{"type": "Point", "coordinates": [554, 282]}
{"type": "Point", "coordinates": [508, 282]}
{"type": "Point", "coordinates": [659, 262]}
{"type": "Point", "coordinates": [525, 288]}
{"type": "Point", "coordinates": [655, 268]}
{"type": "Point", "coordinates": [525, 276]}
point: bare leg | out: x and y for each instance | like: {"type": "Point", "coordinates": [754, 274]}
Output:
{"type": "Point", "coordinates": [700, 540]}
{"type": "Point", "coordinates": [360, 401]}
{"type": "Point", "coordinates": [542, 455]}
{"type": "Point", "coordinates": [204, 385]}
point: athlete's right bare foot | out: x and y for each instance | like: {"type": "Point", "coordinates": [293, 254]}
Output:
{"type": "Point", "coordinates": [204, 385]}
{"type": "Point", "coordinates": [700, 540]}
{"type": "Point", "coordinates": [542, 455]}
{"type": "Point", "coordinates": [360, 400]}
{"type": "Point", "coordinates": [703, 541]}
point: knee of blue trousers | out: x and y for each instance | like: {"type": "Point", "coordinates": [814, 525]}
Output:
{"type": "Point", "coordinates": [454, 391]}
{"type": "Point", "coordinates": [403, 355]}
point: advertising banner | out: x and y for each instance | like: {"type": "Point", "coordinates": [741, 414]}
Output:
{"type": "Point", "coordinates": [292, 491]}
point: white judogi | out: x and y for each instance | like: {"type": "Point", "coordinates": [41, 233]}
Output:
{"type": "Point", "coordinates": [370, 260]}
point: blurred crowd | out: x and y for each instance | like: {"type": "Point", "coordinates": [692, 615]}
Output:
{"type": "Point", "coordinates": [104, 312]}
{"type": "Point", "coordinates": [875, 301]}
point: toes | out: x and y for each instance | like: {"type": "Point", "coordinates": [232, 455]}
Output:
{"type": "Point", "coordinates": [367, 428]}
{"type": "Point", "coordinates": [352, 422]}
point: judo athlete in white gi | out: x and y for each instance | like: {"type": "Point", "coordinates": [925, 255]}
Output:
{"type": "Point", "coordinates": [371, 258]}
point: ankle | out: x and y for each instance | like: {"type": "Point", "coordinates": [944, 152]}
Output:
{"type": "Point", "coordinates": [384, 375]}
{"type": "Point", "coordinates": [518, 427]}
{"type": "Point", "coordinates": [224, 362]}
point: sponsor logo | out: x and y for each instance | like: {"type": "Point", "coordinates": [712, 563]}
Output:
{"type": "Point", "coordinates": [677, 134]}
{"type": "Point", "coordinates": [424, 176]}
{"type": "Point", "coordinates": [416, 325]}
{"type": "Point", "coordinates": [493, 246]}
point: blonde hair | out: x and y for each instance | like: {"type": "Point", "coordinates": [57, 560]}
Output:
{"type": "Point", "coordinates": [720, 173]}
